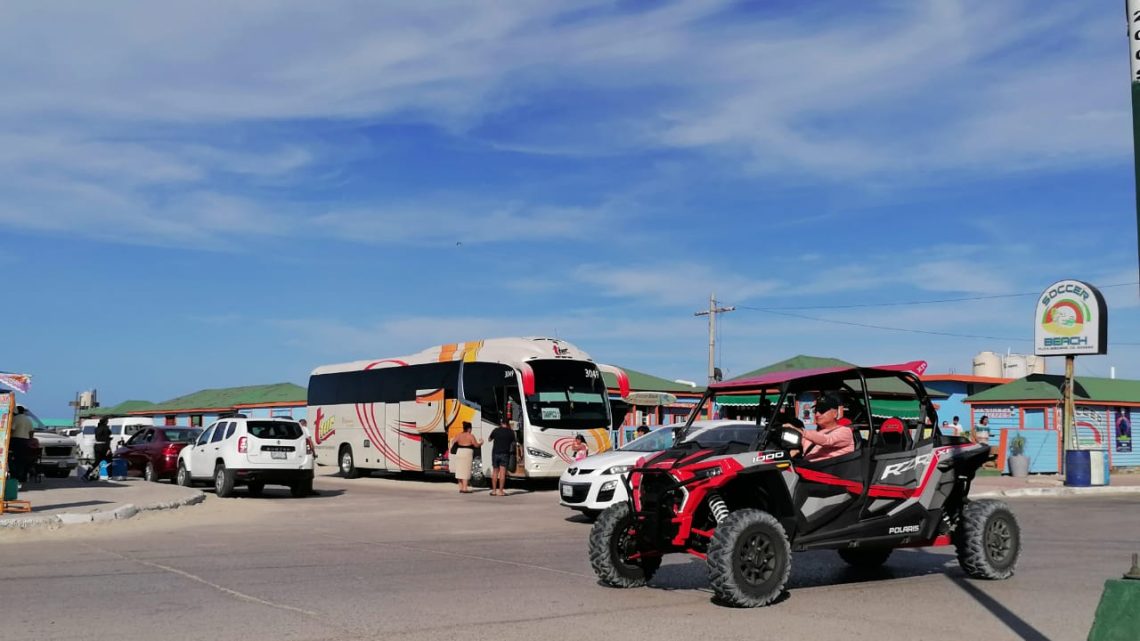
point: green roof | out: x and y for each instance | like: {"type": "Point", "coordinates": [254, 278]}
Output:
{"type": "Point", "coordinates": [233, 397]}
{"type": "Point", "coordinates": [122, 409]}
{"type": "Point", "coordinates": [876, 386]}
{"type": "Point", "coordinates": [1047, 387]}
{"type": "Point", "coordinates": [640, 381]}
{"type": "Point", "coordinates": [796, 362]}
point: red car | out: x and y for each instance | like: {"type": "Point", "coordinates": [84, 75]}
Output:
{"type": "Point", "coordinates": [153, 451]}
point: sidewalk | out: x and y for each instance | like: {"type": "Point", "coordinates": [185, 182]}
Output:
{"type": "Point", "coordinates": [1050, 485]}
{"type": "Point", "coordinates": [58, 502]}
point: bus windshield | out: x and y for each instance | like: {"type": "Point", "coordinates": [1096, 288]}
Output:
{"type": "Point", "coordinates": [567, 395]}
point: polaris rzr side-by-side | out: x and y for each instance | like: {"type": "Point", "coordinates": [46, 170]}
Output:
{"type": "Point", "coordinates": [744, 507]}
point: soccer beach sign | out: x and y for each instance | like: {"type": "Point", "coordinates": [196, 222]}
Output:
{"type": "Point", "coordinates": [1071, 319]}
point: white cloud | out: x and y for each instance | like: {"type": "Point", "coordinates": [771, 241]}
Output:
{"type": "Point", "coordinates": [671, 283]}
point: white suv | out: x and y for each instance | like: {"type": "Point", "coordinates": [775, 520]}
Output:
{"type": "Point", "coordinates": [249, 452]}
{"type": "Point", "coordinates": [595, 483]}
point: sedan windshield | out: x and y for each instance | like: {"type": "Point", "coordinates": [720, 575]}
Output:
{"type": "Point", "coordinates": [182, 436]}
{"type": "Point", "coordinates": [718, 436]}
{"type": "Point", "coordinates": [655, 441]}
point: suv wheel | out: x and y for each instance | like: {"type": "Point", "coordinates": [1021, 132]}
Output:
{"type": "Point", "coordinates": [347, 463]}
{"type": "Point", "coordinates": [149, 473]}
{"type": "Point", "coordinates": [611, 546]}
{"type": "Point", "coordinates": [183, 477]}
{"type": "Point", "coordinates": [749, 559]}
{"type": "Point", "coordinates": [223, 481]}
{"type": "Point", "coordinates": [988, 540]}
{"type": "Point", "coordinates": [865, 558]}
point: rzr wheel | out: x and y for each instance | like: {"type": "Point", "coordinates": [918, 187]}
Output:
{"type": "Point", "coordinates": [611, 545]}
{"type": "Point", "coordinates": [988, 540]}
{"type": "Point", "coordinates": [865, 558]}
{"type": "Point", "coordinates": [749, 559]}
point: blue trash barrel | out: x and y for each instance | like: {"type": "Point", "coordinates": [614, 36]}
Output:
{"type": "Point", "coordinates": [104, 470]}
{"type": "Point", "coordinates": [119, 468]}
{"type": "Point", "coordinates": [1078, 472]}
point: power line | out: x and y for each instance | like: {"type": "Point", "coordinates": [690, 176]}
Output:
{"type": "Point", "coordinates": [902, 329]}
{"type": "Point", "coordinates": [920, 302]}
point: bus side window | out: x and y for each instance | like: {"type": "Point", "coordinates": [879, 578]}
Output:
{"type": "Point", "coordinates": [480, 381]}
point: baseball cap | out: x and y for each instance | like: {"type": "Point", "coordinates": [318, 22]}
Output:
{"type": "Point", "coordinates": [826, 402]}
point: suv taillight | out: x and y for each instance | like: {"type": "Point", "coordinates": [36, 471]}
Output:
{"type": "Point", "coordinates": [243, 445]}
{"type": "Point", "coordinates": [309, 446]}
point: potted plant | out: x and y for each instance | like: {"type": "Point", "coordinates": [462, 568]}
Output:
{"type": "Point", "coordinates": [1018, 461]}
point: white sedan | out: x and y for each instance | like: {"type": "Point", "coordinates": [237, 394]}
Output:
{"type": "Point", "coordinates": [595, 483]}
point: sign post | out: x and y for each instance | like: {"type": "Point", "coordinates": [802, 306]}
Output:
{"type": "Point", "coordinates": [1071, 319]}
{"type": "Point", "coordinates": [20, 383]}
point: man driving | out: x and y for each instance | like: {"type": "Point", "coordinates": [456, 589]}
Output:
{"type": "Point", "coordinates": [831, 438]}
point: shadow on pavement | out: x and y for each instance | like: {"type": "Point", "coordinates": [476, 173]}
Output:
{"type": "Point", "coordinates": [1019, 626]}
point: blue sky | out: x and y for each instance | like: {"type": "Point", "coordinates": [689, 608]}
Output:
{"type": "Point", "coordinates": [212, 194]}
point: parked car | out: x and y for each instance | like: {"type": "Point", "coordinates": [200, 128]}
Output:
{"type": "Point", "coordinates": [595, 483]}
{"type": "Point", "coordinates": [54, 454]}
{"type": "Point", "coordinates": [153, 451]}
{"type": "Point", "coordinates": [251, 452]}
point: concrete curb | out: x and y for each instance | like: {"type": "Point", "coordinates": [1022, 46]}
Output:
{"type": "Point", "coordinates": [1058, 491]}
{"type": "Point", "coordinates": [120, 513]}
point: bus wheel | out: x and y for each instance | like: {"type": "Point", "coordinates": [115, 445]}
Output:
{"type": "Point", "coordinates": [478, 477]}
{"type": "Point", "coordinates": [347, 464]}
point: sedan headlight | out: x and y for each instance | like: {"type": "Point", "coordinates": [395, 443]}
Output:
{"type": "Point", "coordinates": [533, 451]}
{"type": "Point", "coordinates": [618, 469]}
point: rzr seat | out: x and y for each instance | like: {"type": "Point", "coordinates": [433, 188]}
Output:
{"type": "Point", "coordinates": [893, 436]}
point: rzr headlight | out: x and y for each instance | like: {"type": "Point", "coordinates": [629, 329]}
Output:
{"type": "Point", "coordinates": [708, 473]}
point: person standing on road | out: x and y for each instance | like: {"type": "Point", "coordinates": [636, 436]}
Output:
{"type": "Point", "coordinates": [20, 445]}
{"type": "Point", "coordinates": [955, 427]}
{"type": "Point", "coordinates": [502, 444]}
{"type": "Point", "coordinates": [102, 447]}
{"type": "Point", "coordinates": [463, 454]}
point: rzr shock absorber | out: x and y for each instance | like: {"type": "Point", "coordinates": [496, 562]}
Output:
{"type": "Point", "coordinates": [718, 507]}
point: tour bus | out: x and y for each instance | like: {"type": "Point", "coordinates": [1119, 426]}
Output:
{"type": "Point", "coordinates": [399, 414]}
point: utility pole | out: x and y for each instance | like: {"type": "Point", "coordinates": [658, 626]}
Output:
{"type": "Point", "coordinates": [711, 312]}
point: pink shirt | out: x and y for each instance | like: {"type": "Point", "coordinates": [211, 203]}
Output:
{"type": "Point", "coordinates": [837, 441]}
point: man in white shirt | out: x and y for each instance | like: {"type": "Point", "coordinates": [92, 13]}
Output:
{"type": "Point", "coordinates": [19, 445]}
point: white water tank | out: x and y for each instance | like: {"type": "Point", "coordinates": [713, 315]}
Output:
{"type": "Point", "coordinates": [1015, 366]}
{"type": "Point", "coordinates": [1036, 364]}
{"type": "Point", "coordinates": [987, 364]}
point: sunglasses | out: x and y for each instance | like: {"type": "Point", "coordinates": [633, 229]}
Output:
{"type": "Point", "coordinates": [819, 411]}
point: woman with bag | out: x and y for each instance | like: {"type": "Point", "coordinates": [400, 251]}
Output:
{"type": "Point", "coordinates": [462, 454]}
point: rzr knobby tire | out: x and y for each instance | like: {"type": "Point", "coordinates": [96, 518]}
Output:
{"type": "Point", "coordinates": [865, 558]}
{"type": "Point", "coordinates": [749, 559]}
{"type": "Point", "coordinates": [611, 543]}
{"type": "Point", "coordinates": [988, 540]}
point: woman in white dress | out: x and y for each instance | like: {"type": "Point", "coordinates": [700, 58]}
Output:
{"type": "Point", "coordinates": [462, 454]}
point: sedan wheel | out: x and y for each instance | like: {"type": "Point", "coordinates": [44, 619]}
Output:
{"type": "Point", "coordinates": [149, 473]}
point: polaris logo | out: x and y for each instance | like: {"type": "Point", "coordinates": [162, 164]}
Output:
{"type": "Point", "coordinates": [897, 469]}
{"type": "Point", "coordinates": [905, 529]}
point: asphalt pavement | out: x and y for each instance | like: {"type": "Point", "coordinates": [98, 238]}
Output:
{"type": "Point", "coordinates": [411, 558]}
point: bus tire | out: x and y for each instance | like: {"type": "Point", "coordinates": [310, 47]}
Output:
{"type": "Point", "coordinates": [347, 463]}
{"type": "Point", "coordinates": [478, 477]}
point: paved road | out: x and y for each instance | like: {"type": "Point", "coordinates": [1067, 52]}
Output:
{"type": "Point", "coordinates": [397, 559]}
